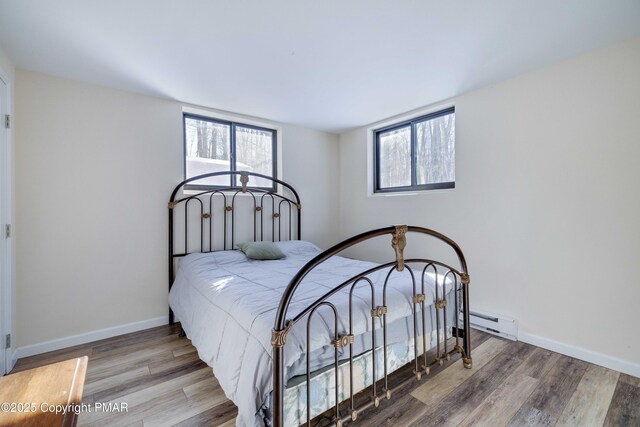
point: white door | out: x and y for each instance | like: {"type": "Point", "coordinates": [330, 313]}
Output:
{"type": "Point", "coordinates": [5, 316]}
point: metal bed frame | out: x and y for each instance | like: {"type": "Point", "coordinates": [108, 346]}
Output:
{"type": "Point", "coordinates": [276, 216]}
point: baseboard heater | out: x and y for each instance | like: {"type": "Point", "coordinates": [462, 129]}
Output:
{"type": "Point", "coordinates": [493, 324]}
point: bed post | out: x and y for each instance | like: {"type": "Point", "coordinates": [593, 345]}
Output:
{"type": "Point", "coordinates": [278, 392]}
{"type": "Point", "coordinates": [466, 357]}
{"type": "Point", "coordinates": [171, 206]}
{"type": "Point", "coordinates": [278, 340]}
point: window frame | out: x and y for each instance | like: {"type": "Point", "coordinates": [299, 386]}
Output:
{"type": "Point", "coordinates": [232, 150]}
{"type": "Point", "coordinates": [411, 123]}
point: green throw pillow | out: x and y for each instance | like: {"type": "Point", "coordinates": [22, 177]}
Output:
{"type": "Point", "coordinates": [261, 250]}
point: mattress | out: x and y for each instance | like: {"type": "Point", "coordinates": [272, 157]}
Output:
{"type": "Point", "coordinates": [227, 303]}
{"type": "Point", "coordinates": [322, 388]}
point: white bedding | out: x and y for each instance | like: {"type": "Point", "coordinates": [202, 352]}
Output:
{"type": "Point", "coordinates": [227, 303]}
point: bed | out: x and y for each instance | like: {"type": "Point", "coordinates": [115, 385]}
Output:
{"type": "Point", "coordinates": [292, 338]}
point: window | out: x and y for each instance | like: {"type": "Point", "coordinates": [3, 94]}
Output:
{"type": "Point", "coordinates": [417, 154]}
{"type": "Point", "coordinates": [212, 145]}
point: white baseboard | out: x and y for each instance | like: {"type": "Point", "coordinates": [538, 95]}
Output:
{"type": "Point", "coordinates": [57, 344]}
{"type": "Point", "coordinates": [605, 360]}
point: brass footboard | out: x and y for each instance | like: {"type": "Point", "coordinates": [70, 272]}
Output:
{"type": "Point", "coordinates": [341, 339]}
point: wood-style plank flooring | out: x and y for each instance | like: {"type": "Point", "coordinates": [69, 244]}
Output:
{"type": "Point", "coordinates": [164, 383]}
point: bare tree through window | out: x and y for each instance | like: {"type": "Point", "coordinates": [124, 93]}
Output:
{"type": "Point", "coordinates": [395, 158]}
{"type": "Point", "coordinates": [435, 150]}
{"type": "Point", "coordinates": [418, 154]}
{"type": "Point", "coordinates": [215, 146]}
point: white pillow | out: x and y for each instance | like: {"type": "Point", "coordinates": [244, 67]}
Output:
{"type": "Point", "coordinates": [298, 247]}
{"type": "Point", "coordinates": [227, 257]}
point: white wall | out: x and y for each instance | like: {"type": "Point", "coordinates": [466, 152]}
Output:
{"type": "Point", "coordinates": [94, 170]}
{"type": "Point", "coordinates": [546, 205]}
{"type": "Point", "coordinates": [310, 162]}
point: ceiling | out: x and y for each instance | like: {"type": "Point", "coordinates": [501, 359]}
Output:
{"type": "Point", "coordinates": [324, 64]}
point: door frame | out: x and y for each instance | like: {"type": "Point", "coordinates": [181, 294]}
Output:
{"type": "Point", "coordinates": [6, 244]}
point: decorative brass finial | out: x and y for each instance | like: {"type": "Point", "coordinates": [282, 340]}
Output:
{"type": "Point", "coordinates": [441, 304]}
{"type": "Point", "coordinates": [465, 279]}
{"type": "Point", "coordinates": [171, 205]}
{"type": "Point", "coordinates": [379, 311]}
{"type": "Point", "coordinates": [398, 243]}
{"type": "Point", "coordinates": [279, 338]}
{"type": "Point", "coordinates": [244, 180]}
{"type": "Point", "coordinates": [343, 341]}
{"type": "Point", "coordinates": [206, 215]}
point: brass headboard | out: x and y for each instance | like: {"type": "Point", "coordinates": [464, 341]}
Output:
{"type": "Point", "coordinates": [217, 217]}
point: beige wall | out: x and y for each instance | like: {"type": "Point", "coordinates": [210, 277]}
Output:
{"type": "Point", "coordinates": [94, 170]}
{"type": "Point", "coordinates": [546, 205]}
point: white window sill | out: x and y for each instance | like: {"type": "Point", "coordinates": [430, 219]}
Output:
{"type": "Point", "coordinates": [411, 193]}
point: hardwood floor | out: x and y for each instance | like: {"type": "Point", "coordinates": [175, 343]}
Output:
{"type": "Point", "coordinates": [164, 383]}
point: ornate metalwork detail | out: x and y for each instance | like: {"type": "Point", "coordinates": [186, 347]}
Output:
{"type": "Point", "coordinates": [228, 208]}
{"type": "Point", "coordinates": [299, 206]}
{"type": "Point", "coordinates": [418, 375]}
{"type": "Point", "coordinates": [379, 311]}
{"type": "Point", "coordinates": [441, 304]}
{"type": "Point", "coordinates": [448, 357]}
{"type": "Point", "coordinates": [354, 415]}
{"type": "Point", "coordinates": [171, 205]}
{"type": "Point", "coordinates": [388, 394]}
{"type": "Point", "coordinates": [465, 279]}
{"type": "Point", "coordinates": [398, 243]}
{"type": "Point", "coordinates": [279, 338]}
{"type": "Point", "coordinates": [339, 423]}
{"type": "Point", "coordinates": [244, 180]}
{"type": "Point", "coordinates": [458, 349]}
{"type": "Point", "coordinates": [427, 370]}
{"type": "Point", "coordinates": [205, 216]}
{"type": "Point", "coordinates": [258, 208]}
{"type": "Point", "coordinates": [343, 341]}
{"type": "Point", "coordinates": [440, 361]}
{"type": "Point", "coordinates": [276, 215]}
{"type": "Point", "coordinates": [467, 362]}
{"type": "Point", "coordinates": [376, 401]}
{"type": "Point", "coordinates": [417, 299]}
